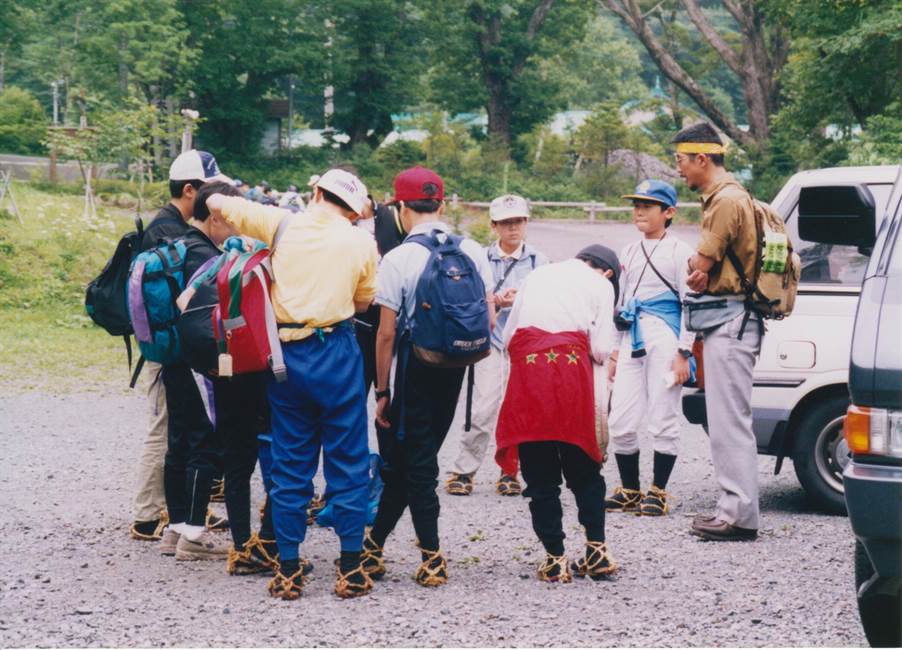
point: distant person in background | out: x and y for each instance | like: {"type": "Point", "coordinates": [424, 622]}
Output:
{"type": "Point", "coordinates": [291, 200]}
{"type": "Point", "coordinates": [511, 260]}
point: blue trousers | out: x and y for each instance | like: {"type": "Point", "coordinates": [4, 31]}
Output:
{"type": "Point", "coordinates": [321, 405]}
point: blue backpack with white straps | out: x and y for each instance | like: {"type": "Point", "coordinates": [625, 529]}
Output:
{"type": "Point", "coordinates": [450, 326]}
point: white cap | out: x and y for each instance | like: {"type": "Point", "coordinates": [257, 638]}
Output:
{"type": "Point", "coordinates": [196, 165]}
{"type": "Point", "coordinates": [345, 186]}
{"type": "Point", "coordinates": [314, 179]}
{"type": "Point", "coordinates": [509, 206]}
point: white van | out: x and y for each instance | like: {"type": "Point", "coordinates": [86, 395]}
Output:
{"type": "Point", "coordinates": [801, 393]}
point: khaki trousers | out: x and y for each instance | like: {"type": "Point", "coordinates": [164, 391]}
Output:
{"type": "Point", "coordinates": [488, 392]}
{"type": "Point", "coordinates": [150, 499]}
{"type": "Point", "coordinates": [729, 364]}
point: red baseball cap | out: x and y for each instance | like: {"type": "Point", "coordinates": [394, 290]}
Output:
{"type": "Point", "coordinates": [418, 184]}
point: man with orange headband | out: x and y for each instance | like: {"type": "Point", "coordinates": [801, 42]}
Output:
{"type": "Point", "coordinates": [731, 348]}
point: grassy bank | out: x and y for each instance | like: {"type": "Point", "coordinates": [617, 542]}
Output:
{"type": "Point", "coordinates": [46, 340]}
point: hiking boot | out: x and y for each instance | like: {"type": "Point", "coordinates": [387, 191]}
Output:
{"type": "Point", "coordinates": [433, 572]}
{"type": "Point", "coordinates": [624, 500]}
{"type": "Point", "coordinates": [316, 505]}
{"type": "Point", "coordinates": [217, 491]}
{"type": "Point", "coordinates": [253, 558]}
{"type": "Point", "coordinates": [597, 563]}
{"type": "Point", "coordinates": [508, 486]}
{"type": "Point", "coordinates": [554, 569]}
{"type": "Point", "coordinates": [169, 541]}
{"type": "Point", "coordinates": [654, 504]}
{"type": "Point", "coordinates": [459, 485]}
{"type": "Point", "coordinates": [287, 588]}
{"type": "Point", "coordinates": [354, 583]}
{"type": "Point", "coordinates": [216, 523]}
{"type": "Point", "coordinates": [206, 547]}
{"type": "Point", "coordinates": [371, 558]}
{"type": "Point", "coordinates": [149, 531]}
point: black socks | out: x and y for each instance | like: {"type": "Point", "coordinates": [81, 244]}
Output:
{"type": "Point", "coordinates": [289, 567]}
{"type": "Point", "coordinates": [628, 465]}
{"type": "Point", "coordinates": [349, 561]}
{"type": "Point", "coordinates": [555, 548]}
{"type": "Point", "coordinates": [663, 466]}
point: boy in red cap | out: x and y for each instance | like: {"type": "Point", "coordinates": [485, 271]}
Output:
{"type": "Point", "coordinates": [414, 424]}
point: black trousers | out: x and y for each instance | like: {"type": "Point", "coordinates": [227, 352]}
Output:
{"type": "Point", "coordinates": [542, 464]}
{"type": "Point", "coordinates": [411, 470]}
{"type": "Point", "coordinates": [365, 327]}
{"type": "Point", "coordinates": [242, 413]}
{"type": "Point", "coordinates": [194, 456]}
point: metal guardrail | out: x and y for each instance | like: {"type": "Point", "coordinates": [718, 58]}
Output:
{"type": "Point", "coordinates": [592, 208]}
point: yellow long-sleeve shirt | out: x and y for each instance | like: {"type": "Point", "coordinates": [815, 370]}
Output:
{"type": "Point", "coordinates": [322, 264]}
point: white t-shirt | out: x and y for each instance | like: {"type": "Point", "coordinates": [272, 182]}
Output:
{"type": "Point", "coordinates": [401, 268]}
{"type": "Point", "coordinates": [566, 297]}
{"type": "Point", "coordinates": [670, 256]}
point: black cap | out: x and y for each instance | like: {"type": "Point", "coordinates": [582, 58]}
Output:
{"type": "Point", "coordinates": [604, 258]}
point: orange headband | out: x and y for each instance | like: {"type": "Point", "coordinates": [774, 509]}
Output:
{"type": "Point", "coordinates": [700, 147]}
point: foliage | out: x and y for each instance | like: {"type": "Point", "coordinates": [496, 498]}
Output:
{"type": "Point", "coordinates": [23, 122]}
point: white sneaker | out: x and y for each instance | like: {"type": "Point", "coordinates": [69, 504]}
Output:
{"type": "Point", "coordinates": [205, 547]}
{"type": "Point", "coordinates": [169, 541]}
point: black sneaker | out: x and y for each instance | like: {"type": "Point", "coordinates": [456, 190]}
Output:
{"type": "Point", "coordinates": [149, 531]}
{"type": "Point", "coordinates": [624, 500]}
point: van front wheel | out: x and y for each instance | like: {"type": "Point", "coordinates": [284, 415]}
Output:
{"type": "Point", "coordinates": [821, 454]}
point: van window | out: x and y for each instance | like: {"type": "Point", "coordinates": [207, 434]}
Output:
{"type": "Point", "coordinates": [831, 263]}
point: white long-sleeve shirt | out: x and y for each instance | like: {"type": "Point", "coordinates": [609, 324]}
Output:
{"type": "Point", "coordinates": [566, 297]}
{"type": "Point", "coordinates": [670, 256]}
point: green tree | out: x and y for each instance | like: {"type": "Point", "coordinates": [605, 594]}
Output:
{"type": "Point", "coordinates": [488, 54]}
{"type": "Point", "coordinates": [247, 50]}
{"type": "Point", "coordinates": [845, 71]}
{"type": "Point", "coordinates": [377, 60]}
{"type": "Point", "coordinates": [23, 123]}
{"type": "Point", "coordinates": [604, 65]}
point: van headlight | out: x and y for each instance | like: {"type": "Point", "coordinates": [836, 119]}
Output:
{"type": "Point", "coordinates": [873, 431]}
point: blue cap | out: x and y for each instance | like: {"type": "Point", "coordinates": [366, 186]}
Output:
{"type": "Point", "coordinates": [657, 191]}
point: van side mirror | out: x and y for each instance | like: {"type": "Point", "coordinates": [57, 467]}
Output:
{"type": "Point", "coordinates": [838, 214]}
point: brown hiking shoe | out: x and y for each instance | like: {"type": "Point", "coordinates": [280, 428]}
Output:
{"type": "Point", "coordinates": [149, 531]}
{"type": "Point", "coordinates": [354, 583]}
{"type": "Point", "coordinates": [508, 486]}
{"type": "Point", "coordinates": [287, 588]}
{"type": "Point", "coordinates": [459, 485]}
{"type": "Point", "coordinates": [597, 563]}
{"type": "Point", "coordinates": [624, 500]}
{"type": "Point", "coordinates": [433, 572]}
{"type": "Point", "coordinates": [554, 568]}
{"type": "Point", "coordinates": [371, 558]}
{"type": "Point", "coordinates": [654, 503]}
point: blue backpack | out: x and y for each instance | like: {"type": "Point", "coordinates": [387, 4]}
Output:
{"type": "Point", "coordinates": [450, 326]}
{"type": "Point", "coordinates": [155, 281]}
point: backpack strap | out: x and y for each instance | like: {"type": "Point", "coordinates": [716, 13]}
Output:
{"type": "Point", "coordinates": [507, 271]}
{"type": "Point", "coordinates": [657, 272]}
{"type": "Point", "coordinates": [471, 380]}
{"type": "Point", "coordinates": [137, 372]}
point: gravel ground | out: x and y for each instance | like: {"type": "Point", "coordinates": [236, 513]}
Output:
{"type": "Point", "coordinates": [70, 575]}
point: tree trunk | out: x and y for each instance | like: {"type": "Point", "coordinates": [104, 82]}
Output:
{"type": "Point", "coordinates": [500, 117]}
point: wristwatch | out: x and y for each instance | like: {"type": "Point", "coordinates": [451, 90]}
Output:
{"type": "Point", "coordinates": [383, 393]}
{"type": "Point", "coordinates": [686, 354]}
